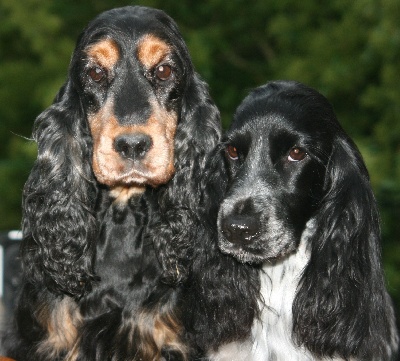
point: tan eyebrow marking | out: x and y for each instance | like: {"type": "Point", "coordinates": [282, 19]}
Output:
{"type": "Point", "coordinates": [152, 50]}
{"type": "Point", "coordinates": [105, 53]}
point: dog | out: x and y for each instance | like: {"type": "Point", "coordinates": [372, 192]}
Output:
{"type": "Point", "coordinates": [298, 201]}
{"type": "Point", "coordinates": [113, 249]}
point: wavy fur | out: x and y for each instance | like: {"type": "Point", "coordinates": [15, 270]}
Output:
{"type": "Point", "coordinates": [114, 249]}
{"type": "Point", "coordinates": [299, 202]}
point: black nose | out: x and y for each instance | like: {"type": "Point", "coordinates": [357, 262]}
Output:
{"type": "Point", "coordinates": [132, 146]}
{"type": "Point", "coordinates": [239, 229]}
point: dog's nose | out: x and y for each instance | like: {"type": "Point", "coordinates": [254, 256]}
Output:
{"type": "Point", "coordinates": [239, 229]}
{"type": "Point", "coordinates": [132, 146]}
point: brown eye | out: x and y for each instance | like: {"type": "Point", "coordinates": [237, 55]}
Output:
{"type": "Point", "coordinates": [232, 152]}
{"type": "Point", "coordinates": [163, 72]}
{"type": "Point", "coordinates": [296, 154]}
{"type": "Point", "coordinates": [97, 74]}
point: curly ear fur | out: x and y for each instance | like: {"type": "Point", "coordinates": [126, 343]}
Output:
{"type": "Point", "coordinates": [342, 296]}
{"type": "Point", "coordinates": [198, 131]}
{"type": "Point", "coordinates": [58, 201]}
{"type": "Point", "coordinates": [222, 294]}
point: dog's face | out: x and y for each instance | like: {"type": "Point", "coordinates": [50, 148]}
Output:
{"type": "Point", "coordinates": [276, 153]}
{"type": "Point", "coordinates": [130, 67]}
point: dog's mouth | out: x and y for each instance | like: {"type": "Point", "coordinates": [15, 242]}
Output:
{"type": "Point", "coordinates": [257, 251]}
{"type": "Point", "coordinates": [133, 155]}
{"type": "Point", "coordinates": [243, 253]}
{"type": "Point", "coordinates": [254, 237]}
{"type": "Point", "coordinates": [115, 171]}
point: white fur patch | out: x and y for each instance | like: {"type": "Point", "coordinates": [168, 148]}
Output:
{"type": "Point", "coordinates": [272, 337]}
{"type": "Point", "coordinates": [279, 280]}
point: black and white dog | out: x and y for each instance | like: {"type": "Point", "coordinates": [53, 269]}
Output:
{"type": "Point", "coordinates": [299, 201]}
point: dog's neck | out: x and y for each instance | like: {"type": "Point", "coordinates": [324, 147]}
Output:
{"type": "Point", "coordinates": [123, 194]}
{"type": "Point", "coordinates": [279, 281]}
{"type": "Point", "coordinates": [271, 335]}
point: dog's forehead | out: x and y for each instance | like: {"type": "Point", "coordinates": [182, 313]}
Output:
{"type": "Point", "coordinates": [265, 118]}
{"type": "Point", "coordinates": [132, 19]}
{"type": "Point", "coordinates": [105, 52]}
{"type": "Point", "coordinates": [129, 27]}
{"type": "Point", "coordinates": [259, 135]}
{"type": "Point", "coordinates": [286, 105]}
{"type": "Point", "coordinates": [259, 124]}
{"type": "Point", "coordinates": [151, 50]}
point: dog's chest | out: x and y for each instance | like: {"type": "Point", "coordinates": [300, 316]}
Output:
{"type": "Point", "coordinates": [273, 334]}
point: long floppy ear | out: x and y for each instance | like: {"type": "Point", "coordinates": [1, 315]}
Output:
{"type": "Point", "coordinates": [221, 294]}
{"type": "Point", "coordinates": [58, 201]}
{"type": "Point", "coordinates": [342, 307]}
{"type": "Point", "coordinates": [198, 132]}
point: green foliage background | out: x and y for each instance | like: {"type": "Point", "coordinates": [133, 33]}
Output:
{"type": "Point", "coordinates": [349, 50]}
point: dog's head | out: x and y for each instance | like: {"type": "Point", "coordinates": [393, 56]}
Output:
{"type": "Point", "coordinates": [289, 161]}
{"type": "Point", "coordinates": [276, 151]}
{"type": "Point", "coordinates": [131, 69]}
{"type": "Point", "coordinates": [132, 113]}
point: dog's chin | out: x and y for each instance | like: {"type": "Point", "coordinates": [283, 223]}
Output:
{"type": "Point", "coordinates": [242, 254]}
{"type": "Point", "coordinates": [239, 254]}
{"type": "Point", "coordinates": [253, 254]}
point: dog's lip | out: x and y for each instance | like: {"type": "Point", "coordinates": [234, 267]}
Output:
{"type": "Point", "coordinates": [140, 178]}
{"type": "Point", "coordinates": [248, 253]}
{"type": "Point", "coordinates": [136, 174]}
{"type": "Point", "coordinates": [239, 251]}
{"type": "Point", "coordinates": [132, 179]}
{"type": "Point", "coordinates": [241, 255]}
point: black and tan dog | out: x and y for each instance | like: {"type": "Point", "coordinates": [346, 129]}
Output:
{"type": "Point", "coordinates": [111, 224]}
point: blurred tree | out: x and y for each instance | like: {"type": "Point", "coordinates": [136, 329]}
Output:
{"type": "Point", "coordinates": [347, 50]}
{"type": "Point", "coordinates": [33, 59]}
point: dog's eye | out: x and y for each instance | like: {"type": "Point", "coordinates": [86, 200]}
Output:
{"type": "Point", "coordinates": [163, 72]}
{"type": "Point", "coordinates": [296, 154]}
{"type": "Point", "coordinates": [97, 74]}
{"type": "Point", "coordinates": [232, 152]}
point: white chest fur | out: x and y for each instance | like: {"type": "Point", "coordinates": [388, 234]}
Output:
{"type": "Point", "coordinates": [271, 335]}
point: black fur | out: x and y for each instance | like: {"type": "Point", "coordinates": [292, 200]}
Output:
{"type": "Point", "coordinates": [295, 174]}
{"type": "Point", "coordinates": [114, 259]}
